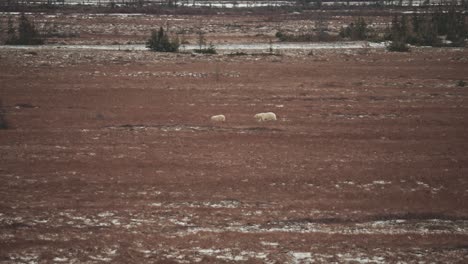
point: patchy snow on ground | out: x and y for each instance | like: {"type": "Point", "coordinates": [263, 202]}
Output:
{"type": "Point", "coordinates": [218, 47]}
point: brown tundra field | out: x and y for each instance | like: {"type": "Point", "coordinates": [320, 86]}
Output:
{"type": "Point", "coordinates": [109, 156]}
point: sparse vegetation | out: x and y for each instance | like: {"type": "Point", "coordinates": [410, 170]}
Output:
{"type": "Point", "coordinates": [51, 30]}
{"type": "Point", "coordinates": [206, 50]}
{"type": "Point", "coordinates": [161, 42]}
{"type": "Point", "coordinates": [238, 53]}
{"type": "Point", "coordinates": [282, 36]}
{"type": "Point", "coordinates": [461, 83]}
{"type": "Point", "coordinates": [305, 37]}
{"type": "Point", "coordinates": [202, 48]}
{"type": "Point", "coordinates": [319, 33]}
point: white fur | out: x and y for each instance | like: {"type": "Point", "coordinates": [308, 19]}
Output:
{"type": "Point", "coordinates": [218, 118]}
{"type": "Point", "coordinates": [270, 116]}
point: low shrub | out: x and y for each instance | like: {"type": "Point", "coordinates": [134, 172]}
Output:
{"type": "Point", "coordinates": [398, 46]}
{"type": "Point", "coordinates": [238, 53]}
{"type": "Point", "coordinates": [305, 37]}
{"type": "Point", "coordinates": [209, 50]}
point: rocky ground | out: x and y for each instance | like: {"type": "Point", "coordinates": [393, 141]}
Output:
{"type": "Point", "coordinates": [110, 156]}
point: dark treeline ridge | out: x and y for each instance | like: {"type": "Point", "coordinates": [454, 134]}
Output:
{"type": "Point", "coordinates": [376, 7]}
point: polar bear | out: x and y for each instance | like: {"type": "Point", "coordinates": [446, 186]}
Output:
{"type": "Point", "coordinates": [218, 118]}
{"type": "Point", "coordinates": [270, 116]}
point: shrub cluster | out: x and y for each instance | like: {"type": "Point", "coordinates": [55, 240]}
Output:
{"type": "Point", "coordinates": [160, 41]}
{"type": "Point", "coordinates": [357, 30]}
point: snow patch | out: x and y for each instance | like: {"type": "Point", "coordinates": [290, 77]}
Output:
{"type": "Point", "coordinates": [59, 259]}
{"type": "Point", "coordinates": [301, 257]}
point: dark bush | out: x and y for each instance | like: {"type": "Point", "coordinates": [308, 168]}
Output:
{"type": "Point", "coordinates": [159, 41]}
{"type": "Point", "coordinates": [27, 33]}
{"type": "Point", "coordinates": [238, 53]}
{"type": "Point", "coordinates": [398, 46]}
{"type": "Point", "coordinates": [3, 122]}
{"type": "Point", "coordinates": [357, 30]}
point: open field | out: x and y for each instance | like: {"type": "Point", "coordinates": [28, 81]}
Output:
{"type": "Point", "coordinates": [108, 154]}
{"type": "Point", "coordinates": [110, 157]}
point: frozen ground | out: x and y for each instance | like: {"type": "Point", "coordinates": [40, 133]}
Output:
{"type": "Point", "coordinates": [110, 157]}
{"type": "Point", "coordinates": [232, 3]}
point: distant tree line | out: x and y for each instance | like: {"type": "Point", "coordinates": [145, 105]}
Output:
{"type": "Point", "coordinates": [441, 28]}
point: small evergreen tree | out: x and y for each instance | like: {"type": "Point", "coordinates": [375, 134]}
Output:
{"type": "Point", "coordinates": [159, 41]}
{"type": "Point", "coordinates": [398, 36]}
{"type": "Point", "coordinates": [456, 28]}
{"type": "Point", "coordinates": [361, 30]}
{"type": "Point", "coordinates": [403, 31]}
{"type": "Point", "coordinates": [357, 30]}
{"type": "Point", "coordinates": [11, 32]}
{"type": "Point", "coordinates": [318, 4]}
{"type": "Point", "coordinates": [3, 122]}
{"type": "Point", "coordinates": [201, 39]}
{"type": "Point", "coordinates": [27, 33]}
{"type": "Point", "coordinates": [416, 20]}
